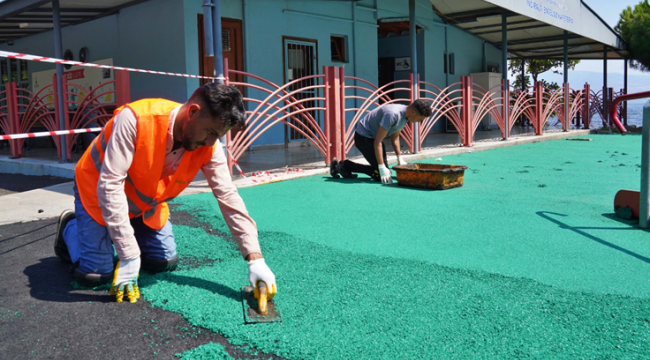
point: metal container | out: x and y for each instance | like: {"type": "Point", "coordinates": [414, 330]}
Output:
{"type": "Point", "coordinates": [430, 176]}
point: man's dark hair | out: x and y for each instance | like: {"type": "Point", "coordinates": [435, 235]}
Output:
{"type": "Point", "coordinates": [223, 102]}
{"type": "Point", "coordinates": [422, 107]}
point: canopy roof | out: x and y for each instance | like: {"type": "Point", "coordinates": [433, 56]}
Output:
{"type": "Point", "coordinates": [21, 18]}
{"type": "Point", "coordinates": [535, 28]}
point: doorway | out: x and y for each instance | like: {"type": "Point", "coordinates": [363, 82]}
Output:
{"type": "Point", "coordinates": [300, 60]}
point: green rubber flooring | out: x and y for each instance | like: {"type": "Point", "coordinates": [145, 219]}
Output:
{"type": "Point", "coordinates": [525, 260]}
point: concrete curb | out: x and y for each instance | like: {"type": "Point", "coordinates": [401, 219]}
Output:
{"type": "Point", "coordinates": [36, 167]}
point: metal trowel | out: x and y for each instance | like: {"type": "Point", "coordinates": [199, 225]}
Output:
{"type": "Point", "coordinates": [257, 307]}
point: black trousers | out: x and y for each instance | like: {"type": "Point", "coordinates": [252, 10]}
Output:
{"type": "Point", "coordinates": [367, 147]}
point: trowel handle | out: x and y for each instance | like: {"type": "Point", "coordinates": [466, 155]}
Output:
{"type": "Point", "coordinates": [262, 298]}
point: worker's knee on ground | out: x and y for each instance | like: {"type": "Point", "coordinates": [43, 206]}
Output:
{"type": "Point", "coordinates": [159, 265]}
{"type": "Point", "coordinates": [92, 279]}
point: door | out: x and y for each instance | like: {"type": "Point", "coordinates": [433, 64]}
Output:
{"type": "Point", "coordinates": [387, 74]}
{"type": "Point", "coordinates": [300, 60]}
{"type": "Point", "coordinates": [231, 41]}
{"type": "Point", "coordinates": [231, 38]}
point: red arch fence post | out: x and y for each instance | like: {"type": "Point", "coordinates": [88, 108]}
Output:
{"type": "Point", "coordinates": [585, 103]}
{"type": "Point", "coordinates": [14, 120]}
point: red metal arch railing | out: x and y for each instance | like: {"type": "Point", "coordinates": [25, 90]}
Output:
{"type": "Point", "coordinates": [33, 109]}
{"type": "Point", "coordinates": [5, 121]}
{"type": "Point", "coordinates": [546, 101]}
{"type": "Point", "coordinates": [23, 109]}
{"type": "Point", "coordinates": [490, 102]}
{"type": "Point", "coordinates": [596, 105]}
{"type": "Point", "coordinates": [90, 111]}
{"type": "Point", "coordinates": [575, 100]}
{"type": "Point", "coordinates": [444, 103]}
{"type": "Point", "coordinates": [377, 97]}
{"type": "Point", "coordinates": [270, 111]}
{"type": "Point", "coordinates": [522, 103]}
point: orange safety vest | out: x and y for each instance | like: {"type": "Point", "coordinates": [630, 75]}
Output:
{"type": "Point", "coordinates": [145, 190]}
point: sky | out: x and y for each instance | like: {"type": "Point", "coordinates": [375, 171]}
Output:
{"type": "Point", "coordinates": [610, 11]}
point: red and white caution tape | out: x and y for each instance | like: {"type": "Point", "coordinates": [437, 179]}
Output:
{"type": "Point", "coordinates": [48, 133]}
{"type": "Point", "coordinates": [235, 162]}
{"type": "Point", "coordinates": [13, 55]}
{"type": "Point", "coordinates": [265, 176]}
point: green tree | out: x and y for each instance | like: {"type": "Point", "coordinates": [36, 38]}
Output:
{"type": "Point", "coordinates": [535, 67]}
{"type": "Point", "coordinates": [634, 27]}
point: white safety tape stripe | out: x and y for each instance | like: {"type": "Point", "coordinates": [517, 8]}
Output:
{"type": "Point", "coordinates": [48, 133]}
{"type": "Point", "coordinates": [235, 162]}
{"type": "Point", "coordinates": [13, 55]}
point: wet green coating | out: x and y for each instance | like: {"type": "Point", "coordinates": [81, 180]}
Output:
{"type": "Point", "coordinates": [499, 268]}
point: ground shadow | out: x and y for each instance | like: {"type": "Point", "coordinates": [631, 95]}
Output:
{"type": "Point", "coordinates": [545, 215]}
{"type": "Point", "coordinates": [51, 280]}
{"type": "Point", "coordinates": [360, 180]}
{"type": "Point", "coordinates": [631, 222]}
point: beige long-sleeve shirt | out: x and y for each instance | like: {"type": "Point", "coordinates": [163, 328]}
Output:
{"type": "Point", "coordinates": [113, 201]}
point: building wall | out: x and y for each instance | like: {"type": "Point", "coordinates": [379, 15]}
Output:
{"type": "Point", "coordinates": [163, 35]}
{"type": "Point", "coordinates": [431, 44]}
{"type": "Point", "coordinates": [265, 24]}
{"type": "Point", "coordinates": [143, 36]}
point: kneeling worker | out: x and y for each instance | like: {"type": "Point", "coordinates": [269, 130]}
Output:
{"type": "Point", "coordinates": [372, 129]}
{"type": "Point", "coordinates": [147, 154]}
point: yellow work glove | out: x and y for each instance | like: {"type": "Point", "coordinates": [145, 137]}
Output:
{"type": "Point", "coordinates": [126, 279]}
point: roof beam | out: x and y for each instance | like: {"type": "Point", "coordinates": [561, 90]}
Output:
{"type": "Point", "coordinates": [9, 8]}
{"type": "Point", "coordinates": [46, 17]}
{"type": "Point", "coordinates": [558, 55]}
{"type": "Point", "coordinates": [535, 40]}
{"type": "Point", "coordinates": [557, 46]}
{"type": "Point", "coordinates": [69, 10]}
{"type": "Point", "coordinates": [514, 29]}
{"type": "Point", "coordinates": [474, 13]}
{"type": "Point", "coordinates": [20, 21]}
{"type": "Point", "coordinates": [498, 25]}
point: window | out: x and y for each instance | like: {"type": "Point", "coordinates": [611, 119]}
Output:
{"type": "Point", "coordinates": [225, 40]}
{"type": "Point", "coordinates": [449, 63]}
{"type": "Point", "coordinates": [337, 45]}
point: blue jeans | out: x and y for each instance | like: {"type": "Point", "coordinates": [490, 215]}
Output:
{"type": "Point", "coordinates": [89, 243]}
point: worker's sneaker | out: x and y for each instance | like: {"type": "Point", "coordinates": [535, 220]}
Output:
{"type": "Point", "coordinates": [345, 172]}
{"type": "Point", "coordinates": [333, 171]}
{"type": "Point", "coordinates": [92, 279]}
{"type": "Point", "coordinates": [60, 248]}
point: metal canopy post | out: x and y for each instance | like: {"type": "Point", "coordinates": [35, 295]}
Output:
{"type": "Point", "coordinates": [523, 73]}
{"type": "Point", "coordinates": [214, 45]}
{"type": "Point", "coordinates": [414, 70]}
{"type": "Point", "coordinates": [58, 53]}
{"type": "Point", "coordinates": [207, 27]}
{"type": "Point", "coordinates": [217, 42]}
{"type": "Point", "coordinates": [644, 202]}
{"type": "Point", "coordinates": [605, 91]}
{"type": "Point", "coordinates": [504, 71]}
{"type": "Point", "coordinates": [625, 92]}
{"type": "Point", "coordinates": [566, 81]}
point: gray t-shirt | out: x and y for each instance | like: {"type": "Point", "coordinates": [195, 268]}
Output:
{"type": "Point", "coordinates": [390, 117]}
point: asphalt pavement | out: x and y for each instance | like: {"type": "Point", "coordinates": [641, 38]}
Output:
{"type": "Point", "coordinates": [43, 316]}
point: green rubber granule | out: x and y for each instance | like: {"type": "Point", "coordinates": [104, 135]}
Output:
{"type": "Point", "coordinates": [497, 268]}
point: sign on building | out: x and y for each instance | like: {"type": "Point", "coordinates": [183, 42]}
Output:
{"type": "Point", "coordinates": [87, 78]}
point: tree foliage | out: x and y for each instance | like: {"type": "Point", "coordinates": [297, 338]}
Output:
{"type": "Point", "coordinates": [634, 27]}
{"type": "Point", "coordinates": [535, 67]}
